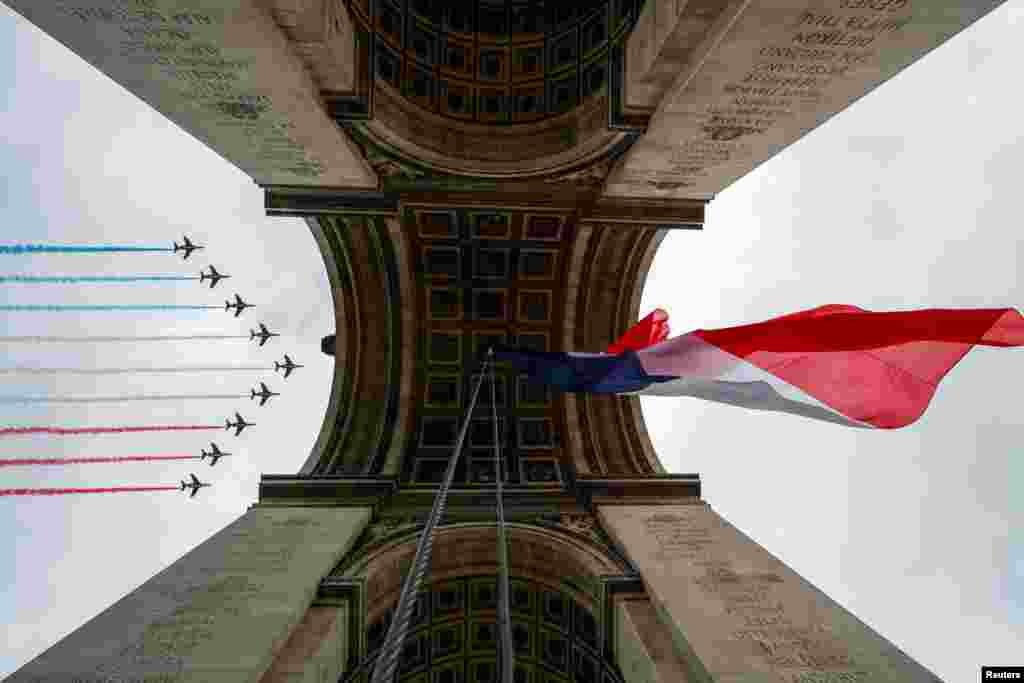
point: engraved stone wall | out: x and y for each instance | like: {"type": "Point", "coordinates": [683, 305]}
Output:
{"type": "Point", "coordinates": [737, 613]}
{"type": "Point", "coordinates": [757, 76]}
{"type": "Point", "coordinates": [220, 613]}
{"type": "Point", "coordinates": [223, 71]}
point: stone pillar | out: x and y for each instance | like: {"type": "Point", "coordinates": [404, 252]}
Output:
{"type": "Point", "coordinates": [220, 613]}
{"type": "Point", "coordinates": [317, 649]}
{"type": "Point", "coordinates": [643, 645]}
{"type": "Point", "coordinates": [224, 72]}
{"type": "Point", "coordinates": [737, 614]}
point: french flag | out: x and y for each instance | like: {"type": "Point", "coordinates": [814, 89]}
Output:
{"type": "Point", "coordinates": [836, 363]}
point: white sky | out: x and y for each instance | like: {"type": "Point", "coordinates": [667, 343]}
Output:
{"type": "Point", "coordinates": [908, 199]}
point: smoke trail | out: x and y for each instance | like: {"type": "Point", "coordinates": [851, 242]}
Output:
{"type": "Point", "coordinates": [132, 371]}
{"type": "Point", "coordinates": [44, 340]}
{"type": "Point", "coordinates": [70, 431]}
{"type": "Point", "coordinates": [71, 279]}
{"type": "Point", "coordinates": [117, 399]}
{"type": "Point", "coordinates": [102, 307]}
{"type": "Point", "coordinates": [82, 461]}
{"type": "Point", "coordinates": [71, 248]}
{"type": "Point", "coordinates": [62, 492]}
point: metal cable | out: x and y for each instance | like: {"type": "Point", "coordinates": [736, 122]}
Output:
{"type": "Point", "coordinates": [387, 662]}
{"type": "Point", "coordinates": [507, 652]}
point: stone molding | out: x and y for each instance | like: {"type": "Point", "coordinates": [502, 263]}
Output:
{"type": "Point", "coordinates": [663, 489]}
{"type": "Point", "coordinates": [320, 33]}
{"type": "Point", "coordinates": [284, 490]}
{"type": "Point", "coordinates": [607, 269]}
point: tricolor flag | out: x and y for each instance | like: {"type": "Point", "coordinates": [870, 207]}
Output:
{"type": "Point", "coordinates": [836, 363]}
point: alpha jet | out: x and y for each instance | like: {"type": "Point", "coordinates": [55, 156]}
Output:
{"type": "Point", "coordinates": [237, 426]}
{"type": "Point", "coordinates": [214, 455]}
{"type": "Point", "coordinates": [263, 335]}
{"type": "Point", "coordinates": [186, 247]}
{"type": "Point", "coordinates": [288, 365]}
{"type": "Point", "coordinates": [213, 276]}
{"type": "Point", "coordinates": [264, 393]}
{"type": "Point", "coordinates": [239, 305]}
{"type": "Point", "coordinates": [195, 485]}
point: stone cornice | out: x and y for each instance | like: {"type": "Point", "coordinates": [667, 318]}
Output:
{"type": "Point", "coordinates": [572, 192]}
{"type": "Point", "coordinates": [576, 496]}
{"type": "Point", "coordinates": [298, 490]}
{"type": "Point", "coordinates": [667, 488]}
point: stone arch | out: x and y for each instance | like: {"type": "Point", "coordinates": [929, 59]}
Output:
{"type": "Point", "coordinates": [471, 547]}
{"type": "Point", "coordinates": [549, 567]}
{"type": "Point", "coordinates": [494, 88]}
{"type": "Point", "coordinates": [368, 268]}
{"type": "Point", "coordinates": [608, 267]}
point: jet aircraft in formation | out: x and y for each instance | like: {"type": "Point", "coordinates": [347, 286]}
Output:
{"type": "Point", "coordinates": [239, 305]}
{"type": "Point", "coordinates": [213, 276]}
{"type": "Point", "coordinates": [195, 485]}
{"type": "Point", "coordinates": [264, 393]}
{"type": "Point", "coordinates": [288, 365]}
{"type": "Point", "coordinates": [187, 247]}
{"type": "Point", "coordinates": [237, 426]}
{"type": "Point", "coordinates": [214, 455]}
{"type": "Point", "coordinates": [263, 335]}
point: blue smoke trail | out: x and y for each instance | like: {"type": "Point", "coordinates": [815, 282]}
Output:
{"type": "Point", "coordinates": [69, 279]}
{"type": "Point", "coordinates": [102, 307]}
{"type": "Point", "coordinates": [71, 248]}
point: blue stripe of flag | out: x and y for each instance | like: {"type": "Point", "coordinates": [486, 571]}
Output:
{"type": "Point", "coordinates": [581, 372]}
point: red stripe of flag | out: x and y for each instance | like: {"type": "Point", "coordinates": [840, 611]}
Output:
{"type": "Point", "coordinates": [879, 368]}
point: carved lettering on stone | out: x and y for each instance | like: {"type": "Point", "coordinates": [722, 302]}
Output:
{"type": "Point", "coordinates": [779, 70]}
{"type": "Point", "coordinates": [196, 62]}
{"type": "Point", "coordinates": [753, 606]}
{"type": "Point", "coordinates": [678, 537]}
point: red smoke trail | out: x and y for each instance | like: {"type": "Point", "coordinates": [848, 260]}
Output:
{"type": "Point", "coordinates": [62, 492]}
{"type": "Point", "coordinates": [67, 431]}
{"type": "Point", "coordinates": [79, 461]}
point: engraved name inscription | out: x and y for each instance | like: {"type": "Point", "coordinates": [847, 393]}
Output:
{"type": "Point", "coordinates": [788, 77]}
{"type": "Point", "coordinates": [753, 608]}
{"type": "Point", "coordinates": [176, 48]}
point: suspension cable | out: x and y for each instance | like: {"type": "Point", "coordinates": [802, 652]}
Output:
{"type": "Point", "coordinates": [387, 662]}
{"type": "Point", "coordinates": [507, 653]}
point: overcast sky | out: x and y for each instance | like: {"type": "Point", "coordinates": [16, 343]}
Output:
{"type": "Point", "coordinates": [911, 198]}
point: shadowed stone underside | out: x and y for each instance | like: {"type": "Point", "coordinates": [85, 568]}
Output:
{"type": "Point", "coordinates": [421, 295]}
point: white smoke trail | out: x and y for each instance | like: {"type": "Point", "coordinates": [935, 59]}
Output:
{"type": "Point", "coordinates": [131, 371]}
{"type": "Point", "coordinates": [116, 399]}
{"type": "Point", "coordinates": [47, 339]}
